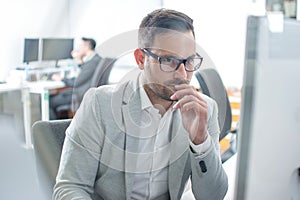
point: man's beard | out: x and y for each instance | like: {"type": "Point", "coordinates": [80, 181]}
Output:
{"type": "Point", "coordinates": [167, 89]}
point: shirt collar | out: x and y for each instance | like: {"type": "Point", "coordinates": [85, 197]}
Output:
{"type": "Point", "coordinates": [89, 57]}
{"type": "Point", "coordinates": [145, 101]}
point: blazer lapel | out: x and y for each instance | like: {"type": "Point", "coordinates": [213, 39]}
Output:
{"type": "Point", "coordinates": [179, 155]}
{"type": "Point", "coordinates": [131, 111]}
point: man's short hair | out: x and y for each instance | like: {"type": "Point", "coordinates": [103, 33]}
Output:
{"type": "Point", "coordinates": [91, 42]}
{"type": "Point", "coordinates": [162, 21]}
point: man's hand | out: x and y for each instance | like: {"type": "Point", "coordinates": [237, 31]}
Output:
{"type": "Point", "coordinates": [56, 77]}
{"type": "Point", "coordinates": [193, 110]}
{"type": "Point", "coordinates": [78, 55]}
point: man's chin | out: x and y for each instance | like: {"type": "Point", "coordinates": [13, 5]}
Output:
{"type": "Point", "coordinates": [162, 91]}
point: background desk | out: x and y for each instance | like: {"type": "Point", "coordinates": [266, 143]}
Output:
{"type": "Point", "coordinates": [16, 101]}
{"type": "Point", "coordinates": [8, 87]}
{"type": "Point", "coordinates": [43, 88]}
{"type": "Point", "coordinates": [11, 106]}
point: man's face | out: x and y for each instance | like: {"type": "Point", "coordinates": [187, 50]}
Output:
{"type": "Point", "coordinates": [171, 44]}
{"type": "Point", "coordinates": [84, 47]}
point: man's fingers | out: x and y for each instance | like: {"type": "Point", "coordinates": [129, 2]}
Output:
{"type": "Point", "coordinates": [187, 99]}
{"type": "Point", "coordinates": [183, 92]}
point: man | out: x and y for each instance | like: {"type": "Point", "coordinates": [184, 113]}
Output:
{"type": "Point", "coordinates": [88, 61]}
{"type": "Point", "coordinates": [145, 137]}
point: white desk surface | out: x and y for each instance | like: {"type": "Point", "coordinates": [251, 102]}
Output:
{"type": "Point", "coordinates": [9, 87]}
{"type": "Point", "coordinates": [36, 87]}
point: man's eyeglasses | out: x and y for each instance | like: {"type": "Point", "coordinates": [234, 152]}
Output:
{"type": "Point", "coordinates": [171, 64]}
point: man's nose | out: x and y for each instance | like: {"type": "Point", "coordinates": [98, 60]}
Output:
{"type": "Point", "coordinates": [181, 72]}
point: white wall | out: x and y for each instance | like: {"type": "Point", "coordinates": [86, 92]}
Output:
{"type": "Point", "coordinates": [28, 18]}
{"type": "Point", "coordinates": [103, 20]}
{"type": "Point", "coordinates": [220, 28]}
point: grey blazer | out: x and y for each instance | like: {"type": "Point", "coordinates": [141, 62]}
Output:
{"type": "Point", "coordinates": [100, 148]}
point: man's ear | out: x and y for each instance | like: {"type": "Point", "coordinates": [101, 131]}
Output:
{"type": "Point", "coordinates": [139, 56]}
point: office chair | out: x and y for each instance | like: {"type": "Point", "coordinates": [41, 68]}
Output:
{"type": "Point", "coordinates": [212, 85]}
{"type": "Point", "coordinates": [48, 139]}
{"type": "Point", "coordinates": [102, 72]}
{"type": "Point", "coordinates": [99, 78]}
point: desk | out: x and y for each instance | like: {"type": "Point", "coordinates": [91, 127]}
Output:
{"type": "Point", "coordinates": [26, 108]}
{"type": "Point", "coordinates": [8, 87]}
{"type": "Point", "coordinates": [42, 88]}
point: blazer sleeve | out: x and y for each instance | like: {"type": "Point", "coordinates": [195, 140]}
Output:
{"type": "Point", "coordinates": [209, 180]}
{"type": "Point", "coordinates": [81, 152]}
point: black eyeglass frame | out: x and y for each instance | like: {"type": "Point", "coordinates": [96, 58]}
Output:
{"type": "Point", "coordinates": [148, 52]}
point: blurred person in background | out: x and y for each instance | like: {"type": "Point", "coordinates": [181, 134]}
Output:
{"type": "Point", "coordinates": [88, 61]}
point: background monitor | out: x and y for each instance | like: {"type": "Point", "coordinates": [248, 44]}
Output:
{"type": "Point", "coordinates": [268, 163]}
{"type": "Point", "coordinates": [57, 48]}
{"type": "Point", "coordinates": [31, 50]}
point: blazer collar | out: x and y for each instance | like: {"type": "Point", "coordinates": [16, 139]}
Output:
{"type": "Point", "coordinates": [131, 115]}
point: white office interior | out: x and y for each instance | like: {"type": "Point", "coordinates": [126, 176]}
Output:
{"type": "Point", "coordinates": [220, 29]}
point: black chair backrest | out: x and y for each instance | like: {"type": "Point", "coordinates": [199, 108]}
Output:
{"type": "Point", "coordinates": [211, 84]}
{"type": "Point", "coordinates": [102, 72]}
{"type": "Point", "coordinates": [48, 139]}
{"type": "Point", "coordinates": [100, 77]}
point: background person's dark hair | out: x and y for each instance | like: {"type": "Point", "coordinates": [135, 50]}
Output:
{"type": "Point", "coordinates": [91, 42]}
{"type": "Point", "coordinates": [162, 21]}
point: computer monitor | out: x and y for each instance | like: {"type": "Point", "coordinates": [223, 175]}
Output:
{"type": "Point", "coordinates": [57, 48]}
{"type": "Point", "coordinates": [31, 50]}
{"type": "Point", "coordinates": [268, 163]}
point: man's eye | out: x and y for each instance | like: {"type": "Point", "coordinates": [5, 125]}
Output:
{"type": "Point", "coordinates": [169, 60]}
{"type": "Point", "coordinates": [190, 61]}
